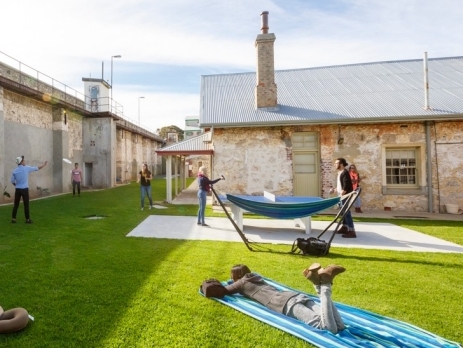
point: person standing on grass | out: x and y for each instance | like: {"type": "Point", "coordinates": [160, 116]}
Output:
{"type": "Point", "coordinates": [204, 185]}
{"type": "Point", "coordinates": [355, 177]}
{"type": "Point", "coordinates": [76, 179]}
{"type": "Point", "coordinates": [343, 187]}
{"type": "Point", "coordinates": [20, 179]}
{"type": "Point", "coordinates": [145, 185]}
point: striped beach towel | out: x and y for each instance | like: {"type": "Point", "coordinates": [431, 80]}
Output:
{"type": "Point", "coordinates": [363, 328]}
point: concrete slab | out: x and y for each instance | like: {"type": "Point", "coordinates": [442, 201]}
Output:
{"type": "Point", "coordinates": [369, 235]}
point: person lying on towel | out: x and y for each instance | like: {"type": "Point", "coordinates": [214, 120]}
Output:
{"type": "Point", "coordinates": [293, 304]}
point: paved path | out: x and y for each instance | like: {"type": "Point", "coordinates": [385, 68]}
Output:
{"type": "Point", "coordinates": [384, 236]}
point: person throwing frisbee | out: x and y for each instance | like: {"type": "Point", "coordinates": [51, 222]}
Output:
{"type": "Point", "coordinates": [20, 179]}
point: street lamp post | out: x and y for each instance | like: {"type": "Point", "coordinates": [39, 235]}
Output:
{"type": "Point", "coordinates": [139, 109]}
{"type": "Point", "coordinates": [117, 56]}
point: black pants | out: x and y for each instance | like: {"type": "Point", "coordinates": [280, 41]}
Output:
{"type": "Point", "coordinates": [74, 184]}
{"type": "Point", "coordinates": [24, 193]}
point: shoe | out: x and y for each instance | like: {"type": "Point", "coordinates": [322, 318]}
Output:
{"type": "Point", "coordinates": [150, 207]}
{"type": "Point", "coordinates": [205, 225]}
{"type": "Point", "coordinates": [359, 210]}
{"type": "Point", "coordinates": [311, 273]}
{"type": "Point", "coordinates": [350, 234]}
{"type": "Point", "coordinates": [28, 221]}
{"type": "Point", "coordinates": [327, 275]}
{"type": "Point", "coordinates": [342, 230]}
{"type": "Point", "coordinates": [142, 208]}
{"type": "Point", "coordinates": [198, 223]}
{"type": "Point", "coordinates": [13, 221]}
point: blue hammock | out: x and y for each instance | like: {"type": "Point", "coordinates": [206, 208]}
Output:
{"type": "Point", "coordinates": [285, 207]}
{"type": "Point", "coordinates": [363, 328]}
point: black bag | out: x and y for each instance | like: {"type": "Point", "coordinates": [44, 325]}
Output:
{"type": "Point", "coordinates": [311, 246]}
{"type": "Point", "coordinates": [213, 288]}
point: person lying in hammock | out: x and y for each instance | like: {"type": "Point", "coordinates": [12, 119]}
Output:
{"type": "Point", "coordinates": [293, 304]}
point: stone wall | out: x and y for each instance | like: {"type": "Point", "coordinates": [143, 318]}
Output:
{"type": "Point", "coordinates": [132, 151]}
{"type": "Point", "coordinates": [24, 110]}
{"type": "Point", "coordinates": [44, 129]}
{"type": "Point", "coordinates": [257, 159]}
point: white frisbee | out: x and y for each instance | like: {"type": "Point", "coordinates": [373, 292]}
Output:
{"type": "Point", "coordinates": [66, 160]}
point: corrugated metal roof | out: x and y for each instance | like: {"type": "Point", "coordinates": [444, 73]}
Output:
{"type": "Point", "coordinates": [200, 145]}
{"type": "Point", "coordinates": [369, 92]}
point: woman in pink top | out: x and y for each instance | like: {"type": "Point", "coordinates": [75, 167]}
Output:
{"type": "Point", "coordinates": [76, 179]}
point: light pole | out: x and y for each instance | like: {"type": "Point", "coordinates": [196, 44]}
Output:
{"type": "Point", "coordinates": [117, 56]}
{"type": "Point", "coordinates": [139, 109]}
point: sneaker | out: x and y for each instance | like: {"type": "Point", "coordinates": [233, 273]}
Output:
{"type": "Point", "coordinates": [13, 221]}
{"type": "Point", "coordinates": [196, 224]}
{"type": "Point", "coordinates": [150, 207]}
{"type": "Point", "coordinates": [142, 208]}
{"type": "Point", "coordinates": [28, 221]}
{"type": "Point", "coordinates": [205, 225]}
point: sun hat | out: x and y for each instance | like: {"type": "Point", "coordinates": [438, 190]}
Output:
{"type": "Point", "coordinates": [19, 159]}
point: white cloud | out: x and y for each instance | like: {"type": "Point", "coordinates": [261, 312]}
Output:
{"type": "Point", "coordinates": [68, 40]}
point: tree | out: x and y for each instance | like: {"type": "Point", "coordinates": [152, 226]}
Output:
{"type": "Point", "coordinates": [164, 132]}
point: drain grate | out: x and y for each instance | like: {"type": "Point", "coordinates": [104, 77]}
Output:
{"type": "Point", "coordinates": [95, 217]}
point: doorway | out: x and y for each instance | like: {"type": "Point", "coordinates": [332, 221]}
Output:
{"type": "Point", "coordinates": [88, 174]}
{"type": "Point", "coordinates": [306, 164]}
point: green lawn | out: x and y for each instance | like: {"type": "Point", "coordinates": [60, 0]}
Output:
{"type": "Point", "coordinates": [87, 285]}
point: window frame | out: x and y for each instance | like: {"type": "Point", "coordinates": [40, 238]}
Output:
{"type": "Point", "coordinates": [405, 189]}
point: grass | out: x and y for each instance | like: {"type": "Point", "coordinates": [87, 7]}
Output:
{"type": "Point", "coordinates": [87, 285]}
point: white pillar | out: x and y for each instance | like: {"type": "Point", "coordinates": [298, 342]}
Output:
{"type": "Point", "coordinates": [169, 179]}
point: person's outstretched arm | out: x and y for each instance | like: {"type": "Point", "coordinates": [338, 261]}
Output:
{"type": "Point", "coordinates": [43, 165]}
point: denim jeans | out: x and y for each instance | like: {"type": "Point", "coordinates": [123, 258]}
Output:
{"type": "Point", "coordinates": [348, 221]}
{"type": "Point", "coordinates": [145, 190]}
{"type": "Point", "coordinates": [202, 198]}
{"type": "Point", "coordinates": [358, 202]}
{"type": "Point", "coordinates": [324, 316]}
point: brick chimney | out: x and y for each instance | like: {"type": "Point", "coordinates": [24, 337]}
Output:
{"type": "Point", "coordinates": [266, 89]}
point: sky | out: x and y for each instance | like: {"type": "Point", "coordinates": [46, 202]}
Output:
{"type": "Point", "coordinates": [165, 46]}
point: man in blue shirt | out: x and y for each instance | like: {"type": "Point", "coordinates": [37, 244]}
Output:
{"type": "Point", "coordinates": [20, 179]}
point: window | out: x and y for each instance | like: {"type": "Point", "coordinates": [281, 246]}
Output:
{"type": "Point", "coordinates": [305, 141]}
{"type": "Point", "coordinates": [403, 169]}
{"type": "Point", "coordinates": [172, 137]}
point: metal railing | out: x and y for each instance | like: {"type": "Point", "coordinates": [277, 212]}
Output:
{"type": "Point", "coordinates": [25, 75]}
{"type": "Point", "coordinates": [51, 89]}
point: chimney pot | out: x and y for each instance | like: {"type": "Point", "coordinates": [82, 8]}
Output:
{"type": "Point", "coordinates": [264, 18]}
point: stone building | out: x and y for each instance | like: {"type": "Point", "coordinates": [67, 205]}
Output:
{"type": "Point", "coordinates": [400, 122]}
{"type": "Point", "coordinates": [46, 123]}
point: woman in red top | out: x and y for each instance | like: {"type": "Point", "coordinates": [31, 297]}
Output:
{"type": "Point", "coordinates": [355, 177]}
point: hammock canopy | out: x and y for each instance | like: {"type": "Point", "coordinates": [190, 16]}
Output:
{"type": "Point", "coordinates": [284, 207]}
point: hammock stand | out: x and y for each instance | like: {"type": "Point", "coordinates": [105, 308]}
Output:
{"type": "Point", "coordinates": [288, 210]}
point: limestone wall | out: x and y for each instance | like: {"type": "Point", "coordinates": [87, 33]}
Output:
{"type": "Point", "coordinates": [132, 151]}
{"type": "Point", "coordinates": [257, 159]}
{"type": "Point", "coordinates": [23, 110]}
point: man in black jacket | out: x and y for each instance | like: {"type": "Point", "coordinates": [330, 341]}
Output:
{"type": "Point", "coordinates": [343, 187]}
